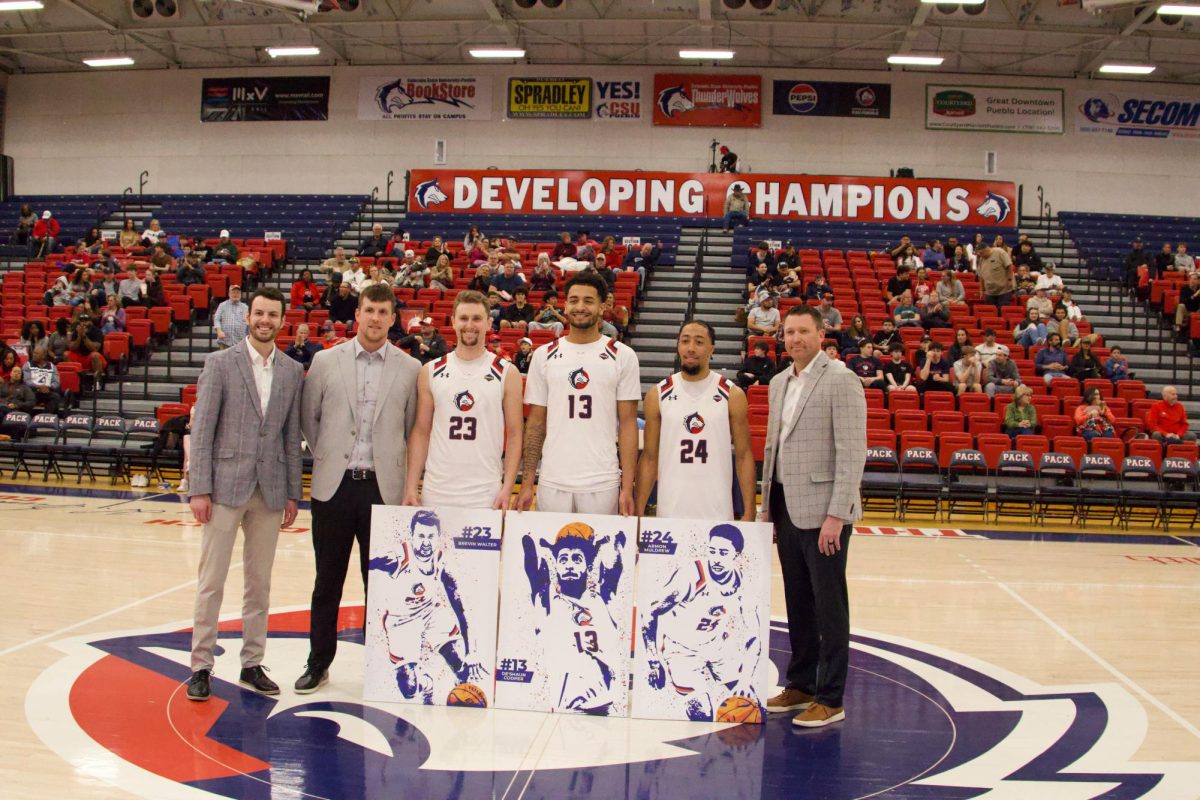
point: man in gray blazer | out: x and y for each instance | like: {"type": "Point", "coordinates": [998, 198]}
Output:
{"type": "Point", "coordinates": [360, 399]}
{"type": "Point", "coordinates": [245, 470]}
{"type": "Point", "coordinates": [812, 468]}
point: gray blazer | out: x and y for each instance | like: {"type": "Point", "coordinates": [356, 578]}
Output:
{"type": "Point", "coordinates": [824, 454]}
{"type": "Point", "coordinates": [329, 418]}
{"type": "Point", "coordinates": [234, 447]}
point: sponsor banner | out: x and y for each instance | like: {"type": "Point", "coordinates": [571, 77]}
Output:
{"type": "Point", "coordinates": [1136, 113]}
{"type": "Point", "coordinates": [619, 100]}
{"type": "Point", "coordinates": [264, 99]}
{"type": "Point", "coordinates": [722, 101]}
{"type": "Point", "coordinates": [667, 194]}
{"type": "Point", "coordinates": [1006, 109]}
{"type": "Point", "coordinates": [549, 98]}
{"type": "Point", "coordinates": [832, 99]}
{"type": "Point", "coordinates": [425, 98]}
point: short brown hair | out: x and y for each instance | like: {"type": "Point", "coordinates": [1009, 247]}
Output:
{"type": "Point", "coordinates": [806, 311]}
{"type": "Point", "coordinates": [469, 296]}
{"type": "Point", "coordinates": [377, 293]}
{"type": "Point", "coordinates": [272, 294]}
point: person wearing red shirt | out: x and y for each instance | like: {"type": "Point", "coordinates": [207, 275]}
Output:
{"type": "Point", "coordinates": [305, 292]}
{"type": "Point", "coordinates": [1167, 419]}
{"type": "Point", "coordinates": [45, 235]}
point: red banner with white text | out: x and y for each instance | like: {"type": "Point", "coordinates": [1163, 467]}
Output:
{"type": "Point", "coordinates": [713, 101]}
{"type": "Point", "coordinates": [940, 201]}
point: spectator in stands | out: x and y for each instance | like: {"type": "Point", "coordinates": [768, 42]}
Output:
{"type": "Point", "coordinates": [729, 162]}
{"type": "Point", "coordinates": [1027, 257]}
{"type": "Point", "coordinates": [763, 320]}
{"type": "Point", "coordinates": [482, 281]}
{"type": "Point", "coordinates": [225, 251]}
{"type": "Point", "coordinates": [14, 394]}
{"type": "Point", "coordinates": [301, 349]}
{"type": "Point", "coordinates": [26, 219]}
{"type": "Point", "coordinates": [1164, 261]}
{"type": "Point", "coordinates": [1002, 374]}
{"type": "Point", "coordinates": [329, 335]}
{"type": "Point", "coordinates": [474, 237]}
{"type": "Point", "coordinates": [59, 293]}
{"type": "Point", "coordinates": [1042, 303]}
{"type": "Point", "coordinates": [791, 282]}
{"type": "Point", "coordinates": [962, 340]}
{"type": "Point", "coordinates": [642, 260]}
{"type": "Point", "coordinates": [831, 318]}
{"type": "Point", "coordinates": [897, 372]}
{"type": "Point", "coordinates": [229, 320]}
{"type": "Point", "coordinates": [129, 238]}
{"type": "Point", "coordinates": [614, 319]}
{"type": "Point", "coordinates": [905, 314]}
{"type": "Point", "coordinates": [1064, 327]}
{"type": "Point", "coordinates": [1074, 312]}
{"type": "Point", "coordinates": [762, 255]}
{"type": "Point", "coordinates": [1026, 281]}
{"type": "Point", "coordinates": [58, 340]}
{"type": "Point", "coordinates": [959, 262]}
{"type": "Point", "coordinates": [856, 334]}
{"type": "Point", "coordinates": [150, 234]}
{"type": "Point", "coordinates": [156, 296]}
{"type": "Point", "coordinates": [1093, 418]}
{"type": "Point", "coordinates": [112, 317]}
{"type": "Point", "coordinates": [437, 247]}
{"type": "Point", "coordinates": [1049, 280]}
{"type": "Point", "coordinates": [84, 345]}
{"type": "Point", "coordinates": [898, 284]}
{"type": "Point", "coordinates": [898, 251]}
{"type": "Point", "coordinates": [191, 271]}
{"type": "Point", "coordinates": [757, 368]}
{"type": "Point", "coordinates": [411, 273]}
{"type": "Point", "coordinates": [44, 239]}
{"type": "Point", "coordinates": [354, 277]}
{"type": "Point", "coordinates": [585, 250]}
{"type": "Point", "coordinates": [1183, 261]}
{"type": "Point", "coordinates": [968, 372]}
{"type": "Point", "coordinates": [886, 337]}
{"type": "Point", "coordinates": [423, 343]}
{"type": "Point", "coordinates": [40, 375]}
{"type": "Point", "coordinates": [33, 335]}
{"type": "Point", "coordinates": [524, 355]}
{"type": "Point", "coordinates": [996, 277]}
{"type": "Point", "coordinates": [442, 274]}
{"type": "Point", "coordinates": [1084, 364]}
{"type": "Point", "coordinates": [91, 242]}
{"type": "Point", "coordinates": [478, 253]}
{"type": "Point", "coordinates": [936, 375]}
{"type": "Point", "coordinates": [1167, 421]}
{"type": "Point", "coordinates": [376, 244]}
{"type": "Point", "coordinates": [789, 256]}
{"type": "Point", "coordinates": [1116, 368]}
{"type": "Point", "coordinates": [950, 289]}
{"type": "Point", "coordinates": [1051, 360]}
{"type": "Point", "coordinates": [548, 317]}
{"type": "Point", "coordinates": [343, 304]}
{"type": "Point", "coordinates": [867, 367]}
{"type": "Point", "coordinates": [8, 359]}
{"type": "Point", "coordinates": [934, 313]}
{"type": "Point", "coordinates": [922, 287]}
{"type": "Point", "coordinates": [338, 263]}
{"type": "Point", "coordinates": [305, 292]}
{"type": "Point", "coordinates": [909, 258]}
{"type": "Point", "coordinates": [519, 313]}
{"type": "Point", "coordinates": [377, 275]}
{"type": "Point", "coordinates": [816, 288]}
{"type": "Point", "coordinates": [988, 349]}
{"type": "Point", "coordinates": [543, 279]}
{"type": "Point", "coordinates": [737, 209]}
{"type": "Point", "coordinates": [933, 256]}
{"type": "Point", "coordinates": [565, 248]}
{"type": "Point", "coordinates": [1030, 331]}
{"type": "Point", "coordinates": [1133, 260]}
{"type": "Point", "coordinates": [396, 245]}
{"type": "Point", "coordinates": [1189, 303]}
{"type": "Point", "coordinates": [1020, 418]}
{"type": "Point", "coordinates": [507, 282]}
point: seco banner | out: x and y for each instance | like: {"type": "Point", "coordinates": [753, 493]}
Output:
{"type": "Point", "coordinates": [549, 98]}
{"type": "Point", "coordinates": [831, 99]}
{"type": "Point", "coordinates": [425, 98]}
{"type": "Point", "coordinates": [814, 197]}
{"type": "Point", "coordinates": [264, 99]}
{"type": "Point", "coordinates": [1005, 109]}
{"type": "Point", "coordinates": [1137, 113]}
{"type": "Point", "coordinates": [721, 101]}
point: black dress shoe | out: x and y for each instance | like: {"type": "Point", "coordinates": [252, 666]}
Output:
{"type": "Point", "coordinates": [256, 678]}
{"type": "Point", "coordinates": [311, 680]}
{"type": "Point", "coordinates": [198, 688]}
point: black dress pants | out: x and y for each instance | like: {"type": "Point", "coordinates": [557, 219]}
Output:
{"type": "Point", "coordinates": [818, 607]}
{"type": "Point", "coordinates": [337, 523]}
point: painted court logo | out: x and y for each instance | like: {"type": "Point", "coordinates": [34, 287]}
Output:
{"type": "Point", "coordinates": [943, 725]}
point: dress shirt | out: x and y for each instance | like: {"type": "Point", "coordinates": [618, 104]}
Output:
{"type": "Point", "coordinates": [231, 318]}
{"type": "Point", "coordinates": [368, 369]}
{"type": "Point", "coordinates": [798, 385]}
{"type": "Point", "coordinates": [264, 371]}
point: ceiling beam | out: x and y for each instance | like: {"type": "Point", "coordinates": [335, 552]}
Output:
{"type": "Point", "coordinates": [1139, 19]}
{"type": "Point", "coordinates": [507, 28]}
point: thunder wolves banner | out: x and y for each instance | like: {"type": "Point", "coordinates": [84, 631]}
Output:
{"type": "Point", "coordinates": [817, 197]}
{"type": "Point", "coordinates": [720, 101]}
{"type": "Point", "coordinates": [264, 99]}
{"type": "Point", "coordinates": [425, 98]}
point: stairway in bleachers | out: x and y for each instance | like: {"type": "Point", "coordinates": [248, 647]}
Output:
{"type": "Point", "coordinates": [388, 214]}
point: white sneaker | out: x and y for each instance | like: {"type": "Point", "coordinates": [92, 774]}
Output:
{"type": "Point", "coordinates": [139, 481]}
{"type": "Point", "coordinates": [183, 486]}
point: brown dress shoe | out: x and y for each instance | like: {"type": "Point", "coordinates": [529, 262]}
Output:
{"type": "Point", "coordinates": [818, 715]}
{"type": "Point", "coordinates": [790, 700]}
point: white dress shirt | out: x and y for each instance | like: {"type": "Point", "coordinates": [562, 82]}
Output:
{"type": "Point", "coordinates": [798, 385]}
{"type": "Point", "coordinates": [368, 370]}
{"type": "Point", "coordinates": [264, 371]}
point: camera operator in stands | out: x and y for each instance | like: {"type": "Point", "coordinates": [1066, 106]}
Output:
{"type": "Point", "coordinates": [728, 162]}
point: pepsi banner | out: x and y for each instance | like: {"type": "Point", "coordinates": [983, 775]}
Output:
{"type": "Point", "coordinates": [667, 194]}
{"type": "Point", "coordinates": [264, 99]}
{"type": "Point", "coordinates": [1139, 114]}
{"type": "Point", "coordinates": [714, 101]}
{"type": "Point", "coordinates": [832, 99]}
{"type": "Point", "coordinates": [425, 98]}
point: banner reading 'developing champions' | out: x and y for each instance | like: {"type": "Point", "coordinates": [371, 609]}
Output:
{"type": "Point", "coordinates": [264, 99]}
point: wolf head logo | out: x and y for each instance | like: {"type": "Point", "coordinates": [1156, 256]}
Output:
{"type": "Point", "coordinates": [674, 101]}
{"type": "Point", "coordinates": [430, 194]}
{"type": "Point", "coordinates": [994, 206]}
{"type": "Point", "coordinates": [694, 423]}
{"type": "Point", "coordinates": [464, 401]}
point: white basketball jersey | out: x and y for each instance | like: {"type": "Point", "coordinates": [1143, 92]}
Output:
{"type": "Point", "coordinates": [580, 385]}
{"type": "Point", "coordinates": [695, 449]}
{"type": "Point", "coordinates": [466, 444]}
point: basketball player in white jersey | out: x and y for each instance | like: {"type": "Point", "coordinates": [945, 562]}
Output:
{"type": "Point", "coordinates": [467, 434]}
{"type": "Point", "coordinates": [697, 432]}
{"type": "Point", "coordinates": [580, 390]}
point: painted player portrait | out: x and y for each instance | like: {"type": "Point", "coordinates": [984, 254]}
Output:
{"type": "Point", "coordinates": [433, 586]}
{"type": "Point", "coordinates": [703, 599]}
{"type": "Point", "coordinates": [566, 613]}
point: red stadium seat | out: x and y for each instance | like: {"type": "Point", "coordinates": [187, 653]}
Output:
{"type": "Point", "coordinates": [1034, 445]}
{"type": "Point", "coordinates": [909, 420]}
{"type": "Point", "coordinates": [1073, 446]}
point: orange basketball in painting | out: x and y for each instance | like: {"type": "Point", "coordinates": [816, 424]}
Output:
{"type": "Point", "coordinates": [739, 709]}
{"type": "Point", "coordinates": [467, 694]}
{"type": "Point", "coordinates": [577, 530]}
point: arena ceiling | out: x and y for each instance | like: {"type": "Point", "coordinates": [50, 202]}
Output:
{"type": "Point", "coordinates": [1050, 38]}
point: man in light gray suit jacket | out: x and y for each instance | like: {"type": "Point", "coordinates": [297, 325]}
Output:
{"type": "Point", "coordinates": [245, 470]}
{"type": "Point", "coordinates": [360, 400]}
{"type": "Point", "coordinates": [812, 469]}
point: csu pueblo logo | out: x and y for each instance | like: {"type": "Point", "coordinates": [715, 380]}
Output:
{"type": "Point", "coordinates": [942, 725]}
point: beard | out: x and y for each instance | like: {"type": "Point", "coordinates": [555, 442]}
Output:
{"type": "Point", "coordinates": [572, 587]}
{"type": "Point", "coordinates": [692, 369]}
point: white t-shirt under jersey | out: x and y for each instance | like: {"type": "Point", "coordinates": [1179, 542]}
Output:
{"type": "Point", "coordinates": [580, 385]}
{"type": "Point", "coordinates": [466, 442]}
{"type": "Point", "coordinates": [695, 449]}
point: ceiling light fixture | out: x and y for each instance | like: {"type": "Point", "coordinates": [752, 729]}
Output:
{"type": "Point", "coordinates": [1179, 10]}
{"type": "Point", "coordinates": [1127, 69]}
{"type": "Point", "coordinates": [497, 52]}
{"type": "Point", "coordinates": [291, 52]}
{"type": "Point", "coordinates": [109, 61]}
{"type": "Point", "coordinates": [907, 59]}
{"type": "Point", "coordinates": [954, 2]}
{"type": "Point", "coordinates": [21, 5]}
{"type": "Point", "coordinates": [707, 55]}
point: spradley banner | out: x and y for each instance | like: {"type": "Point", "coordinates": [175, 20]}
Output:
{"type": "Point", "coordinates": [831, 99]}
{"type": "Point", "coordinates": [265, 99]}
{"type": "Point", "coordinates": [993, 108]}
{"type": "Point", "coordinates": [857, 199]}
{"type": "Point", "coordinates": [725, 101]}
{"type": "Point", "coordinates": [1136, 113]}
{"type": "Point", "coordinates": [550, 98]}
{"type": "Point", "coordinates": [400, 97]}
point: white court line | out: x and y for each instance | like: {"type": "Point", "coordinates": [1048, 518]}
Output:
{"type": "Point", "coordinates": [1116, 673]}
{"type": "Point", "coordinates": [1189, 587]}
{"type": "Point", "coordinates": [1184, 541]}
